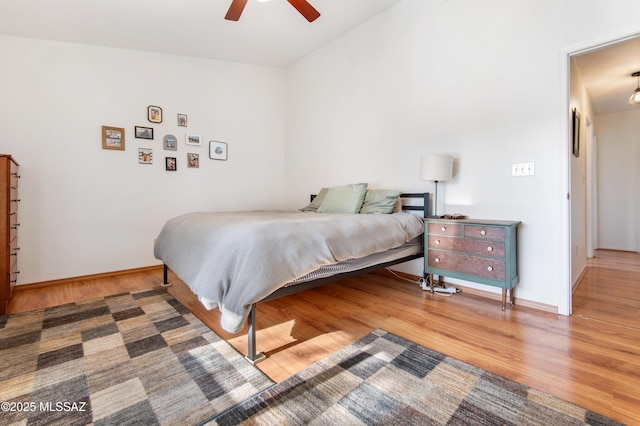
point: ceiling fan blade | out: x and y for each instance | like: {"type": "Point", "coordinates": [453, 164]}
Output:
{"type": "Point", "coordinates": [235, 10]}
{"type": "Point", "coordinates": [308, 11]}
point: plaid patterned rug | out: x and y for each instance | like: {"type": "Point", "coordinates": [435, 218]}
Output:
{"type": "Point", "coordinates": [383, 379]}
{"type": "Point", "coordinates": [133, 358]}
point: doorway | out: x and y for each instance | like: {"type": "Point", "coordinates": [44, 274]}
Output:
{"type": "Point", "coordinates": [604, 185]}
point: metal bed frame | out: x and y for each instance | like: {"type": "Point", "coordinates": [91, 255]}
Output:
{"type": "Point", "coordinates": [253, 355]}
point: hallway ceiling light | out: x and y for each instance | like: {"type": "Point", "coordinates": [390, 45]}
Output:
{"type": "Point", "coordinates": [635, 96]}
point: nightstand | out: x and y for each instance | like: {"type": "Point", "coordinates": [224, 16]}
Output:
{"type": "Point", "coordinates": [482, 251]}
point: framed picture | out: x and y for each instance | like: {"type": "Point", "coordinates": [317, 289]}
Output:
{"type": "Point", "coordinates": [145, 155]}
{"type": "Point", "coordinates": [112, 138]}
{"type": "Point", "coordinates": [154, 114]}
{"type": "Point", "coordinates": [576, 132]}
{"type": "Point", "coordinates": [170, 163]}
{"type": "Point", "coordinates": [182, 120]}
{"type": "Point", "coordinates": [170, 143]}
{"type": "Point", "coordinates": [193, 160]}
{"type": "Point", "coordinates": [217, 150]}
{"type": "Point", "coordinates": [193, 139]}
{"type": "Point", "coordinates": [144, 132]}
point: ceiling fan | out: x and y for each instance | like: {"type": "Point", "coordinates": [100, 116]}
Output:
{"type": "Point", "coordinates": [303, 6]}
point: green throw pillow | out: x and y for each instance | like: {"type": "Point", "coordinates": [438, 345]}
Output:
{"type": "Point", "coordinates": [343, 199]}
{"type": "Point", "coordinates": [313, 206]}
{"type": "Point", "coordinates": [379, 201]}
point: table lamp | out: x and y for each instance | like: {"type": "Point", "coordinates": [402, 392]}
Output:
{"type": "Point", "coordinates": [437, 168]}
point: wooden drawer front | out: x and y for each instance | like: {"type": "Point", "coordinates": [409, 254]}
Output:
{"type": "Point", "coordinates": [13, 237]}
{"type": "Point", "coordinates": [13, 265]}
{"type": "Point", "coordinates": [487, 232]}
{"type": "Point", "coordinates": [13, 279]}
{"type": "Point", "coordinates": [13, 200]}
{"type": "Point", "coordinates": [13, 180]}
{"type": "Point", "coordinates": [466, 245]}
{"type": "Point", "coordinates": [12, 232]}
{"type": "Point", "coordinates": [14, 177]}
{"type": "Point", "coordinates": [468, 264]}
{"type": "Point", "coordinates": [445, 229]}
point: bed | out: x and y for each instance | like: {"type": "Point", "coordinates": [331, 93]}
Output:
{"type": "Point", "coordinates": [234, 260]}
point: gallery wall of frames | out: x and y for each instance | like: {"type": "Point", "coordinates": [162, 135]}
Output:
{"type": "Point", "coordinates": [168, 148]}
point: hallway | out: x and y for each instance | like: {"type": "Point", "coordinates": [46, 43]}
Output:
{"type": "Point", "coordinates": [609, 291]}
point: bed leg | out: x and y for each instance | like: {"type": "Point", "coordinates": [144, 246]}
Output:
{"type": "Point", "coordinates": [165, 281]}
{"type": "Point", "coordinates": [252, 356]}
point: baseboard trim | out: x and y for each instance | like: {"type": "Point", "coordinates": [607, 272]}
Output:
{"type": "Point", "coordinates": [477, 292]}
{"type": "Point", "coordinates": [487, 294]}
{"type": "Point", "coordinates": [516, 301]}
{"type": "Point", "coordinates": [576, 283]}
{"type": "Point", "coordinates": [43, 284]}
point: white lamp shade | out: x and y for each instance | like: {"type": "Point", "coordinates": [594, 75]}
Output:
{"type": "Point", "coordinates": [436, 168]}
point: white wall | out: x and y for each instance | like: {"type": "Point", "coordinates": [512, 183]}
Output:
{"type": "Point", "coordinates": [484, 81]}
{"type": "Point", "coordinates": [86, 210]}
{"type": "Point", "coordinates": [618, 186]}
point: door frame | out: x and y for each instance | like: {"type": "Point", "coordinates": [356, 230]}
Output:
{"type": "Point", "coordinates": [566, 285]}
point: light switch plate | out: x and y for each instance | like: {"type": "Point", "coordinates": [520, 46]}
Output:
{"type": "Point", "coordinates": [522, 169]}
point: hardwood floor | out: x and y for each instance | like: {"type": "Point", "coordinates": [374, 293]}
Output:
{"type": "Point", "coordinates": [591, 359]}
{"type": "Point", "coordinates": [610, 290]}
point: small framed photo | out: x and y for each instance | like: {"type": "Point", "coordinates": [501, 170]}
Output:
{"type": "Point", "coordinates": [182, 120]}
{"type": "Point", "coordinates": [145, 156]}
{"type": "Point", "coordinates": [112, 138]}
{"type": "Point", "coordinates": [154, 114]}
{"type": "Point", "coordinates": [193, 160]}
{"type": "Point", "coordinates": [576, 132]}
{"type": "Point", "coordinates": [217, 150]}
{"type": "Point", "coordinates": [170, 163]}
{"type": "Point", "coordinates": [144, 132]}
{"type": "Point", "coordinates": [170, 143]}
{"type": "Point", "coordinates": [193, 139]}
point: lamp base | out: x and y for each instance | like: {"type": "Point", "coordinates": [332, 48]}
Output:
{"type": "Point", "coordinates": [434, 216]}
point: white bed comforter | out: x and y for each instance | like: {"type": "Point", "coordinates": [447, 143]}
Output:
{"type": "Point", "coordinates": [232, 260]}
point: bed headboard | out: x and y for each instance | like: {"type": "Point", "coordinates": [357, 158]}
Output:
{"type": "Point", "coordinates": [422, 205]}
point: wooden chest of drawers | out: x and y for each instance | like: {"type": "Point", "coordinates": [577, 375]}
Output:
{"type": "Point", "coordinates": [8, 228]}
{"type": "Point", "coordinates": [483, 251]}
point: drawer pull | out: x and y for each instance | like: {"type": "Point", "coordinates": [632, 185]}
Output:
{"type": "Point", "coordinates": [490, 268]}
{"type": "Point", "coordinates": [483, 232]}
{"type": "Point", "coordinates": [437, 241]}
{"type": "Point", "coordinates": [17, 200]}
{"type": "Point", "coordinates": [437, 260]}
{"type": "Point", "coordinates": [444, 228]}
{"type": "Point", "coordinates": [489, 248]}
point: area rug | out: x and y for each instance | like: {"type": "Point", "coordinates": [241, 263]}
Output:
{"type": "Point", "coordinates": [383, 379]}
{"type": "Point", "coordinates": [133, 358]}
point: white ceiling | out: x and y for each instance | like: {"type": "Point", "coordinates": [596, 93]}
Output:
{"type": "Point", "coordinates": [272, 33]}
{"type": "Point", "coordinates": [606, 74]}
